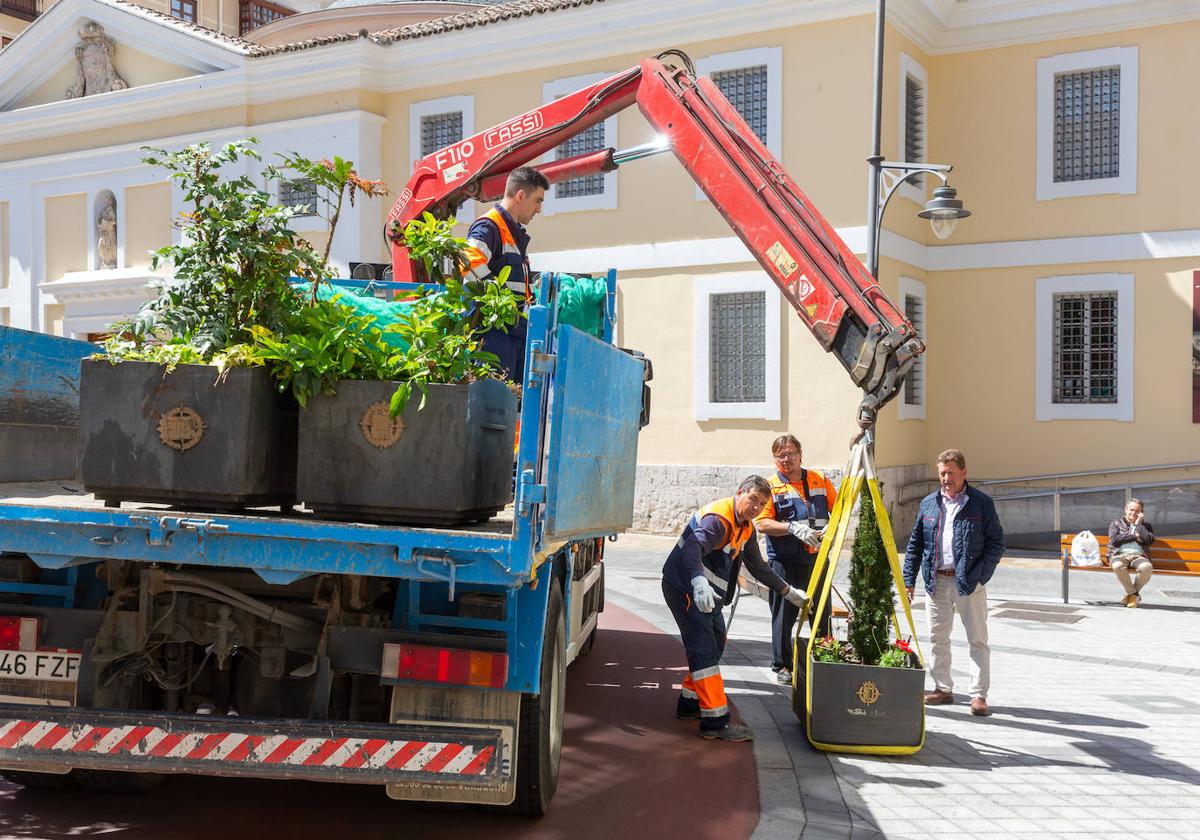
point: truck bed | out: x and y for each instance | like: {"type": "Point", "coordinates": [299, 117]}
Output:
{"type": "Point", "coordinates": [70, 495]}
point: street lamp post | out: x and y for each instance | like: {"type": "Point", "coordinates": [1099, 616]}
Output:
{"type": "Point", "coordinates": [943, 210]}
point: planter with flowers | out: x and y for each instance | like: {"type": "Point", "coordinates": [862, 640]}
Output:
{"type": "Point", "coordinates": [863, 694]}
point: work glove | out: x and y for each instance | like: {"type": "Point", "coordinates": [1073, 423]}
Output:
{"type": "Point", "coordinates": [802, 531]}
{"type": "Point", "coordinates": [702, 594]}
{"type": "Point", "coordinates": [796, 597]}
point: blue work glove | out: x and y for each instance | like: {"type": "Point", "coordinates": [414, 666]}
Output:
{"type": "Point", "coordinates": [703, 595]}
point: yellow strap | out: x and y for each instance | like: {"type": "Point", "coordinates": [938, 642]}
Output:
{"type": "Point", "coordinates": [860, 470]}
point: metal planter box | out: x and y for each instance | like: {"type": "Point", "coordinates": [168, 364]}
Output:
{"type": "Point", "coordinates": [183, 438]}
{"type": "Point", "coordinates": [448, 463]}
{"type": "Point", "coordinates": [865, 708]}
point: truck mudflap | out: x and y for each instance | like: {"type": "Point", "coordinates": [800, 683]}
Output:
{"type": "Point", "coordinates": [58, 740]}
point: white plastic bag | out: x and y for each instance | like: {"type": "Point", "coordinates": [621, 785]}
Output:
{"type": "Point", "coordinates": [1085, 550]}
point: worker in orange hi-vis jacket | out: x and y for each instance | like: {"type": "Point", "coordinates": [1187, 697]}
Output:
{"type": "Point", "coordinates": [700, 577]}
{"type": "Point", "coordinates": [498, 240]}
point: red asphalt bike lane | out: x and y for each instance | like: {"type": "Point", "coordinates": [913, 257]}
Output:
{"type": "Point", "coordinates": [629, 770]}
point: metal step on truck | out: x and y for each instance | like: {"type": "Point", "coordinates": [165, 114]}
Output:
{"type": "Point", "coordinates": [143, 640]}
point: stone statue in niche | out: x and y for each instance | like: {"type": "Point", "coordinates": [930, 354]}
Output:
{"type": "Point", "coordinates": [106, 234]}
{"type": "Point", "coordinates": [94, 56]}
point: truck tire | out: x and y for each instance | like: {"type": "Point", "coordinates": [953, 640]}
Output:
{"type": "Point", "coordinates": [44, 781]}
{"type": "Point", "coordinates": [539, 749]}
{"type": "Point", "coordinates": [110, 781]}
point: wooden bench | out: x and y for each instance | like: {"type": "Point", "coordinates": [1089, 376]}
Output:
{"type": "Point", "coordinates": [1168, 556]}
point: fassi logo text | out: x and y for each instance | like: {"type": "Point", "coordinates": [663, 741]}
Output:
{"type": "Point", "coordinates": [512, 130]}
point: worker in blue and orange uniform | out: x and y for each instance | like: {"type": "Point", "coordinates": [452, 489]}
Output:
{"type": "Point", "coordinates": [793, 522]}
{"type": "Point", "coordinates": [699, 578]}
{"type": "Point", "coordinates": [498, 240]}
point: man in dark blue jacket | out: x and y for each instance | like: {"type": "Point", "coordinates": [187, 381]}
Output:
{"type": "Point", "coordinates": [956, 544]}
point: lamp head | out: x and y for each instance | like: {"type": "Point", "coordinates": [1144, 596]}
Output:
{"type": "Point", "coordinates": [943, 211]}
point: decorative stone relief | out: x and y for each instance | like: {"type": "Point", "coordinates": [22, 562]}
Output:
{"type": "Point", "coordinates": [106, 233]}
{"type": "Point", "coordinates": [95, 72]}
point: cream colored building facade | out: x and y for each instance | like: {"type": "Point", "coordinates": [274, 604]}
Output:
{"type": "Point", "coordinates": [970, 83]}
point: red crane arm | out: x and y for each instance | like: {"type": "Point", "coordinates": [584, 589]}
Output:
{"type": "Point", "coordinates": [830, 289]}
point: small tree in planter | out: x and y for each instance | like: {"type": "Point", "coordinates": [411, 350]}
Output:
{"type": "Point", "coordinates": [367, 449]}
{"type": "Point", "coordinates": [188, 417]}
{"type": "Point", "coordinates": [865, 695]}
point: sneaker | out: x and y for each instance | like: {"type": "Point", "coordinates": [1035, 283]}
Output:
{"type": "Point", "coordinates": [729, 732]}
{"type": "Point", "coordinates": [783, 676]}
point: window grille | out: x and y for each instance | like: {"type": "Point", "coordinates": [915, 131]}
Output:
{"type": "Point", "coordinates": [301, 193]}
{"type": "Point", "coordinates": [1085, 348]}
{"type": "Point", "coordinates": [914, 120]}
{"type": "Point", "coordinates": [591, 140]}
{"type": "Point", "coordinates": [440, 130]}
{"type": "Point", "coordinates": [746, 89]}
{"type": "Point", "coordinates": [737, 347]}
{"type": "Point", "coordinates": [184, 10]}
{"type": "Point", "coordinates": [914, 383]}
{"type": "Point", "coordinates": [1087, 125]}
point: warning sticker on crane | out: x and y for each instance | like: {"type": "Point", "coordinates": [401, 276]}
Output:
{"type": "Point", "coordinates": [782, 259]}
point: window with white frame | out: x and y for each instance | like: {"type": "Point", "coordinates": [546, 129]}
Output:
{"type": "Point", "coordinates": [437, 123]}
{"type": "Point", "coordinates": [591, 192]}
{"type": "Point", "coordinates": [912, 399]}
{"type": "Point", "coordinates": [914, 122]}
{"type": "Point", "coordinates": [737, 356]}
{"type": "Point", "coordinates": [1085, 347]}
{"type": "Point", "coordinates": [752, 80]}
{"type": "Point", "coordinates": [1087, 123]}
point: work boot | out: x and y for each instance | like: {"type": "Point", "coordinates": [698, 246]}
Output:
{"type": "Point", "coordinates": [938, 698]}
{"type": "Point", "coordinates": [729, 732]}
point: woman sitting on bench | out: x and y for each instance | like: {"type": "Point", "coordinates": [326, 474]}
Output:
{"type": "Point", "coordinates": [1129, 537]}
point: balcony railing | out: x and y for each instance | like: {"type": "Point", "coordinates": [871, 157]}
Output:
{"type": "Point", "coordinates": [25, 9]}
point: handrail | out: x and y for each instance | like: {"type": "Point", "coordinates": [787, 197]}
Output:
{"type": "Point", "coordinates": [1113, 471]}
{"type": "Point", "coordinates": [1110, 488]}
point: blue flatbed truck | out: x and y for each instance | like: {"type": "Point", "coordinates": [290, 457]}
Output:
{"type": "Point", "coordinates": [145, 640]}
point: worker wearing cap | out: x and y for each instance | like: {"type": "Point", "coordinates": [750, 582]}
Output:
{"type": "Point", "coordinates": [794, 522]}
{"type": "Point", "coordinates": [498, 240]}
{"type": "Point", "coordinates": [700, 576]}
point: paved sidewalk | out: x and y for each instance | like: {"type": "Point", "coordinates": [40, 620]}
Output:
{"type": "Point", "coordinates": [1095, 732]}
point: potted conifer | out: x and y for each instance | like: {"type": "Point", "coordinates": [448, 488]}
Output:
{"type": "Point", "coordinates": [864, 694]}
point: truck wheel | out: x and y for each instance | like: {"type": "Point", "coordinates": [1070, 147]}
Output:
{"type": "Point", "coordinates": [110, 781]}
{"type": "Point", "coordinates": [45, 781]}
{"type": "Point", "coordinates": [539, 751]}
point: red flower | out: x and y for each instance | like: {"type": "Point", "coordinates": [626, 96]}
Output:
{"type": "Point", "coordinates": [903, 645]}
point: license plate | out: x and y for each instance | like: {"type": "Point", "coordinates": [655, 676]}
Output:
{"type": "Point", "coordinates": [39, 665]}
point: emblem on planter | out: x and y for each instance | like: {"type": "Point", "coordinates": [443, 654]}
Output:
{"type": "Point", "coordinates": [181, 428]}
{"type": "Point", "coordinates": [868, 692]}
{"type": "Point", "coordinates": [379, 427]}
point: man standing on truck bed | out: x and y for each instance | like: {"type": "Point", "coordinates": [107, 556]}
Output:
{"type": "Point", "coordinates": [699, 578]}
{"type": "Point", "coordinates": [498, 240]}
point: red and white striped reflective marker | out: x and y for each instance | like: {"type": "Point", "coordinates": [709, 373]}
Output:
{"type": "Point", "coordinates": [50, 738]}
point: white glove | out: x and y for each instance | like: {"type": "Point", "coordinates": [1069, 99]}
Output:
{"type": "Point", "coordinates": [702, 594]}
{"type": "Point", "coordinates": [796, 597]}
{"type": "Point", "coordinates": [806, 535]}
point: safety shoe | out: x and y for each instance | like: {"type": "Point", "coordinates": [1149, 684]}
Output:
{"type": "Point", "coordinates": [783, 676]}
{"type": "Point", "coordinates": [729, 732]}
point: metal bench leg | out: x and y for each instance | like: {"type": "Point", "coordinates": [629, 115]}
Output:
{"type": "Point", "coordinates": [1065, 591]}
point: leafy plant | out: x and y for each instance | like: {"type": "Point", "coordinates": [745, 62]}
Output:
{"type": "Point", "coordinates": [234, 259]}
{"type": "Point", "coordinates": [829, 649]}
{"type": "Point", "coordinates": [899, 655]}
{"type": "Point", "coordinates": [870, 587]}
{"type": "Point", "coordinates": [336, 181]}
{"type": "Point", "coordinates": [432, 243]}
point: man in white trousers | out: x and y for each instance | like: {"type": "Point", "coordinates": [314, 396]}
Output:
{"type": "Point", "coordinates": [956, 544]}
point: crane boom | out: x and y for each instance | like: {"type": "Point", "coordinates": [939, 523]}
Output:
{"type": "Point", "coordinates": [825, 283]}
